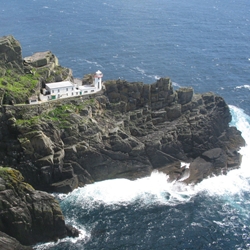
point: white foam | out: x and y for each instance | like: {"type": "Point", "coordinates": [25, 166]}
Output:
{"type": "Point", "coordinates": [93, 62]}
{"type": "Point", "coordinates": [241, 121]}
{"type": "Point", "coordinates": [83, 237]}
{"type": "Point", "coordinates": [176, 84]}
{"type": "Point", "coordinates": [243, 86]}
{"type": "Point", "coordinates": [142, 71]}
{"type": "Point", "coordinates": [149, 190]}
{"type": "Point", "coordinates": [236, 181]}
{"type": "Point", "coordinates": [158, 189]}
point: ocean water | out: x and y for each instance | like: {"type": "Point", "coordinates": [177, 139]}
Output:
{"type": "Point", "coordinates": [199, 43]}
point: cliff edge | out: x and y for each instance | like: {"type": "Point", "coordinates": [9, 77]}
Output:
{"type": "Point", "coordinates": [127, 130]}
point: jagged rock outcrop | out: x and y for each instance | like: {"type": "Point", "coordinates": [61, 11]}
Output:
{"type": "Point", "coordinates": [47, 66]}
{"type": "Point", "coordinates": [27, 215]}
{"type": "Point", "coordinates": [22, 78]}
{"type": "Point", "coordinates": [127, 131]}
{"type": "Point", "coordinates": [10, 55]}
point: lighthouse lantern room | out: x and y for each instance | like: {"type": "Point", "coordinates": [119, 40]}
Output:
{"type": "Point", "coordinates": [98, 79]}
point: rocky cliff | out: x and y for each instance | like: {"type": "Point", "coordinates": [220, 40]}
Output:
{"type": "Point", "coordinates": [21, 78]}
{"type": "Point", "coordinates": [29, 216]}
{"type": "Point", "coordinates": [127, 130]}
{"type": "Point", "coordinates": [10, 55]}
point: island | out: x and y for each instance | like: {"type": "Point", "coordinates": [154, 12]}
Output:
{"type": "Point", "coordinates": [123, 130]}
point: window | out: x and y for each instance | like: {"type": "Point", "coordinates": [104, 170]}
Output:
{"type": "Point", "coordinates": [72, 88]}
{"type": "Point", "coordinates": [85, 91]}
{"type": "Point", "coordinates": [72, 93]}
{"type": "Point", "coordinates": [52, 91]}
{"type": "Point", "coordinates": [66, 89]}
{"type": "Point", "coordinates": [92, 90]}
{"type": "Point", "coordinates": [76, 93]}
{"type": "Point", "coordinates": [58, 90]}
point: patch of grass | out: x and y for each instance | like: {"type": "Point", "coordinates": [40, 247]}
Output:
{"type": "Point", "coordinates": [19, 86]}
{"type": "Point", "coordinates": [34, 120]}
{"type": "Point", "coordinates": [62, 111]}
{"type": "Point", "coordinates": [59, 115]}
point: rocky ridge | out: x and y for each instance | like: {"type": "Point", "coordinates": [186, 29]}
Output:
{"type": "Point", "coordinates": [127, 130]}
{"type": "Point", "coordinates": [21, 78]}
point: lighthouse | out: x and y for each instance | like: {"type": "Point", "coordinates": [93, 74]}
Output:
{"type": "Point", "coordinates": [98, 80]}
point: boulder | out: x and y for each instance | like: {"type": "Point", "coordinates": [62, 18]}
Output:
{"type": "Point", "coordinates": [27, 215]}
{"type": "Point", "coordinates": [65, 186]}
{"type": "Point", "coordinates": [211, 162]}
{"type": "Point", "coordinates": [40, 59]}
{"type": "Point", "coordinates": [185, 95]}
{"type": "Point", "coordinates": [199, 169]}
{"type": "Point", "coordinates": [37, 144]}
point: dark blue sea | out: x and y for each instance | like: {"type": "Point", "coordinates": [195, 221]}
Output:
{"type": "Point", "coordinates": [200, 43]}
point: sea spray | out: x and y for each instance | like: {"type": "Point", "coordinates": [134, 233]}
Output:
{"type": "Point", "coordinates": [155, 189]}
{"type": "Point", "coordinates": [158, 189]}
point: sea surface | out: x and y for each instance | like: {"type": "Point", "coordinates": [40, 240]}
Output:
{"type": "Point", "coordinates": [200, 43]}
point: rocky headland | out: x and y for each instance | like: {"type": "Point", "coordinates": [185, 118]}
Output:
{"type": "Point", "coordinates": [127, 130]}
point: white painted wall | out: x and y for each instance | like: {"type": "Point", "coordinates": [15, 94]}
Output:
{"type": "Point", "coordinates": [58, 90]}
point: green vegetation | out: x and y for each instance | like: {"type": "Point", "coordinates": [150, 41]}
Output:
{"type": "Point", "coordinates": [32, 121]}
{"type": "Point", "coordinates": [18, 86]}
{"type": "Point", "coordinates": [61, 115]}
{"type": "Point", "coordinates": [58, 115]}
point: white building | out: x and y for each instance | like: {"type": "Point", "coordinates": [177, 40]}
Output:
{"type": "Point", "coordinates": [57, 90]}
{"type": "Point", "coordinates": [33, 99]}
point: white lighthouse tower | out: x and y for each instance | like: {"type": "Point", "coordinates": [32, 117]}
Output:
{"type": "Point", "coordinates": [98, 80]}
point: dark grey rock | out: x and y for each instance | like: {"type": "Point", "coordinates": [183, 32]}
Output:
{"type": "Point", "coordinates": [28, 215]}
{"type": "Point", "coordinates": [10, 243]}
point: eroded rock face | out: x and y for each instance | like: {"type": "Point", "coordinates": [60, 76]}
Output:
{"type": "Point", "coordinates": [22, 78]}
{"type": "Point", "coordinates": [40, 59]}
{"type": "Point", "coordinates": [28, 215]}
{"type": "Point", "coordinates": [10, 243]}
{"type": "Point", "coordinates": [10, 55]}
{"type": "Point", "coordinates": [128, 131]}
